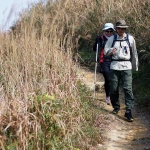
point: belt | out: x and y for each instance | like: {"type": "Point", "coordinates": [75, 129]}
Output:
{"type": "Point", "coordinates": [120, 60]}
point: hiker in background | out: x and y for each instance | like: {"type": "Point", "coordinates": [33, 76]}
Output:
{"type": "Point", "coordinates": [124, 59]}
{"type": "Point", "coordinates": [105, 61]}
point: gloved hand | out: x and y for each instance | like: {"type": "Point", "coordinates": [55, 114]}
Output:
{"type": "Point", "coordinates": [97, 39]}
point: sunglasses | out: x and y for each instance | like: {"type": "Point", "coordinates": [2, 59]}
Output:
{"type": "Point", "coordinates": [121, 28]}
{"type": "Point", "coordinates": [109, 31]}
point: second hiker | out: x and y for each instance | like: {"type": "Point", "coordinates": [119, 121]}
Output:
{"type": "Point", "coordinates": [105, 61]}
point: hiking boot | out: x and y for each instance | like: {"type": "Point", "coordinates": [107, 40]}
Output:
{"type": "Point", "coordinates": [128, 115]}
{"type": "Point", "coordinates": [115, 111]}
{"type": "Point", "coordinates": [108, 100]}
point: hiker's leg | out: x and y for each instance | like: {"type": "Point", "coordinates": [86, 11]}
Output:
{"type": "Point", "coordinates": [107, 83]}
{"type": "Point", "coordinates": [114, 88]}
{"type": "Point", "coordinates": [127, 86]}
{"type": "Point", "coordinates": [107, 87]}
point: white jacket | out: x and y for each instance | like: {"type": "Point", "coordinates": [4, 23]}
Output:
{"type": "Point", "coordinates": [122, 53]}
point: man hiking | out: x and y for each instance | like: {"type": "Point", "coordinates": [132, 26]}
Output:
{"type": "Point", "coordinates": [122, 48]}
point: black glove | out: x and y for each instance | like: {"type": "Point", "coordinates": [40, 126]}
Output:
{"type": "Point", "coordinates": [97, 39]}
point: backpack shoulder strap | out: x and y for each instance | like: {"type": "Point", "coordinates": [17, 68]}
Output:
{"type": "Point", "coordinates": [115, 38]}
{"type": "Point", "coordinates": [101, 37]}
{"type": "Point", "coordinates": [128, 42]}
{"type": "Point", "coordinates": [103, 41]}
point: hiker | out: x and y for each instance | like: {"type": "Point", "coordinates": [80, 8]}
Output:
{"type": "Point", "coordinates": [122, 48]}
{"type": "Point", "coordinates": [105, 61]}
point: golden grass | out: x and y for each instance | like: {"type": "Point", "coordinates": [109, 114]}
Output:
{"type": "Point", "coordinates": [40, 101]}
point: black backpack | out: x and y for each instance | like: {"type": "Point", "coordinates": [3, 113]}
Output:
{"type": "Point", "coordinates": [127, 40]}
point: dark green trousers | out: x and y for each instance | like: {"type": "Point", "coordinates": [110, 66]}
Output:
{"type": "Point", "coordinates": [125, 76]}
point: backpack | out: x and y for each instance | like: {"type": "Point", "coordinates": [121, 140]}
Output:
{"type": "Point", "coordinates": [102, 56]}
{"type": "Point", "coordinates": [128, 42]}
{"type": "Point", "coordinates": [103, 41]}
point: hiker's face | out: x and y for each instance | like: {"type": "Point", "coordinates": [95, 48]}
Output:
{"type": "Point", "coordinates": [109, 32]}
{"type": "Point", "coordinates": [120, 31]}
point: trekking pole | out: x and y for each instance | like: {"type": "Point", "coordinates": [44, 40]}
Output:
{"type": "Point", "coordinates": [97, 40]}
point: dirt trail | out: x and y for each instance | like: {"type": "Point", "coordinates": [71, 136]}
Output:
{"type": "Point", "coordinates": [122, 135]}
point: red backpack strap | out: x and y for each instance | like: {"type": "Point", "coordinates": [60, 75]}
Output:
{"type": "Point", "coordinates": [103, 41]}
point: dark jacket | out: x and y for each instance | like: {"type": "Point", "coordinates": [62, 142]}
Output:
{"type": "Point", "coordinates": [101, 41]}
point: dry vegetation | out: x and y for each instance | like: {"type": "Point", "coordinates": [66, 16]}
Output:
{"type": "Point", "coordinates": [42, 101]}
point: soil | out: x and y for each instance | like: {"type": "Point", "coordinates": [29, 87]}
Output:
{"type": "Point", "coordinates": [119, 134]}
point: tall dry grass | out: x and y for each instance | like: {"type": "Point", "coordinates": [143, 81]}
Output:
{"type": "Point", "coordinates": [39, 82]}
{"type": "Point", "coordinates": [41, 104]}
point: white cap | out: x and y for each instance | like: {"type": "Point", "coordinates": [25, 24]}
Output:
{"type": "Point", "coordinates": [108, 26]}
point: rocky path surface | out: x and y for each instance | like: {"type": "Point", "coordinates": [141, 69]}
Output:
{"type": "Point", "coordinates": [122, 135]}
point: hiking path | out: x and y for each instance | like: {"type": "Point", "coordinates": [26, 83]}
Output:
{"type": "Point", "coordinates": [119, 133]}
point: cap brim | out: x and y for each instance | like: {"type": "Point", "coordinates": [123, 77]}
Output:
{"type": "Point", "coordinates": [122, 26]}
{"type": "Point", "coordinates": [108, 28]}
